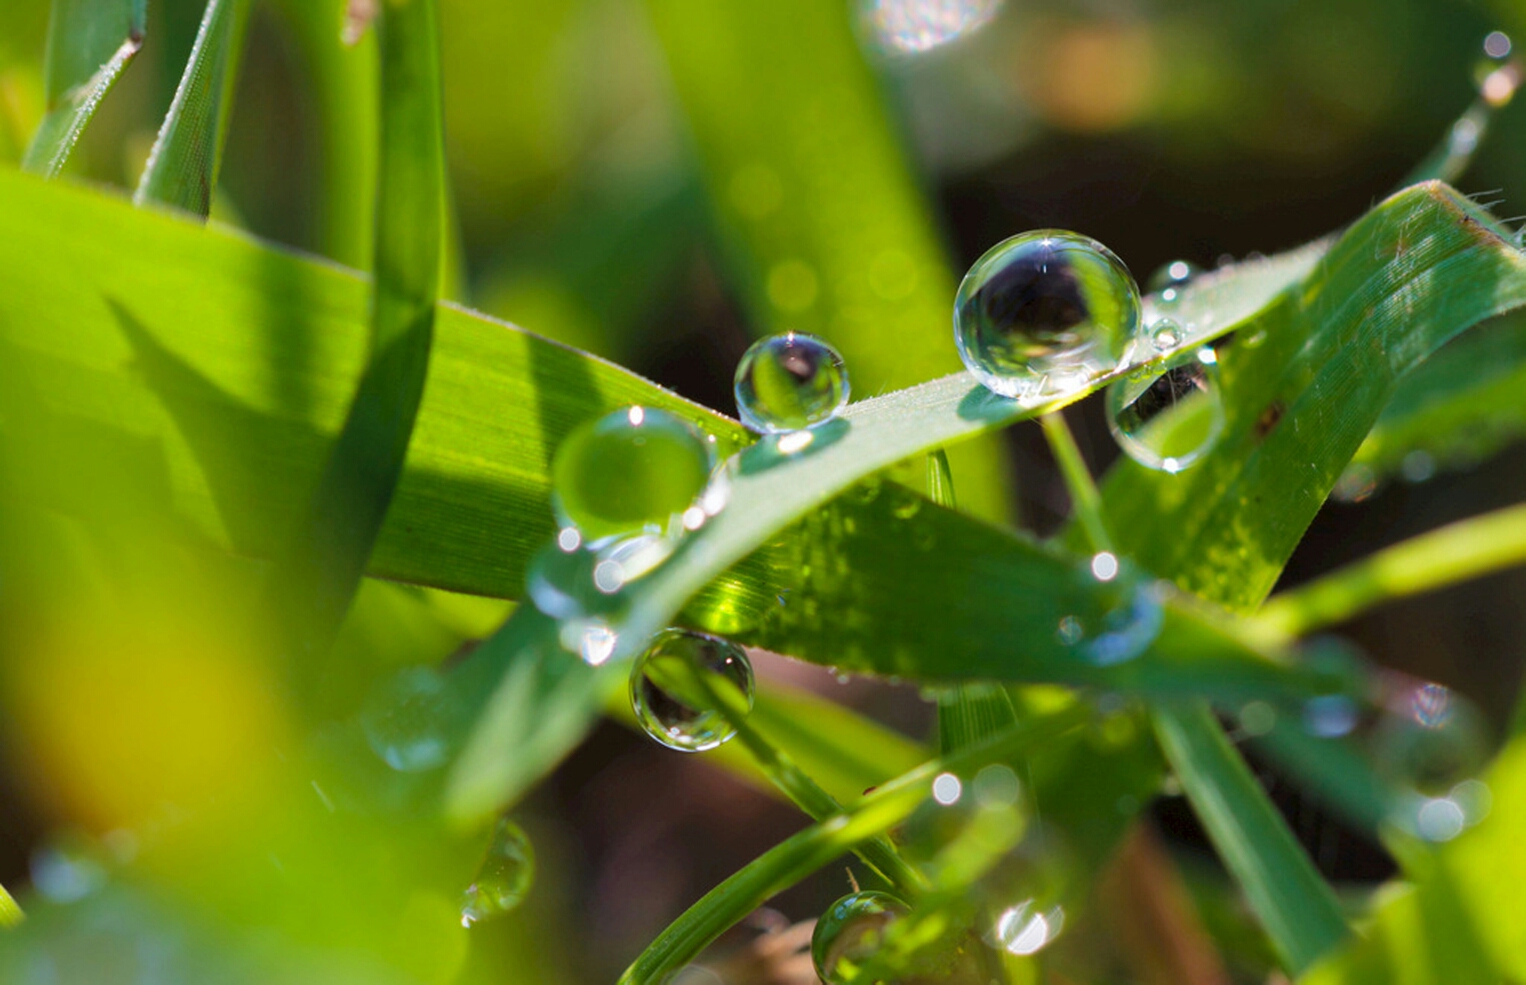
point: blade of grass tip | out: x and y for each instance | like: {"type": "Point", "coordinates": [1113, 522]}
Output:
{"type": "Point", "coordinates": [878, 853]}
{"type": "Point", "coordinates": [10, 910]}
{"type": "Point", "coordinates": [1451, 157]}
{"type": "Point", "coordinates": [1296, 906]}
{"type": "Point", "coordinates": [187, 155]}
{"type": "Point", "coordinates": [798, 856]}
{"type": "Point", "coordinates": [1457, 552]}
{"type": "Point", "coordinates": [90, 42]}
{"type": "Point", "coordinates": [313, 587]}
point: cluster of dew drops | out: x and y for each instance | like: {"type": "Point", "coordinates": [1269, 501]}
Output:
{"type": "Point", "coordinates": [1037, 317]}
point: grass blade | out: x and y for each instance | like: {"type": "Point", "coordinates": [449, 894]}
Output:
{"type": "Point", "coordinates": [796, 857]}
{"type": "Point", "coordinates": [1295, 905]}
{"type": "Point", "coordinates": [1466, 549]}
{"type": "Point", "coordinates": [90, 42]}
{"type": "Point", "coordinates": [187, 155]}
{"type": "Point", "coordinates": [335, 540]}
{"type": "Point", "coordinates": [10, 910]}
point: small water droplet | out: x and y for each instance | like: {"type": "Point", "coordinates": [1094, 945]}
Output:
{"type": "Point", "coordinates": [1174, 274]}
{"type": "Point", "coordinates": [1025, 929]}
{"type": "Point", "coordinates": [504, 876]}
{"type": "Point", "coordinates": [1329, 716]}
{"type": "Point", "coordinates": [1257, 718]}
{"type": "Point", "coordinates": [1127, 628]}
{"type": "Point", "coordinates": [1433, 741]}
{"type": "Point", "coordinates": [1165, 334]}
{"type": "Point", "coordinates": [1069, 630]}
{"type": "Point", "coordinates": [790, 382]}
{"type": "Point", "coordinates": [630, 473]}
{"type": "Point", "coordinates": [911, 27]}
{"type": "Point", "coordinates": [1104, 566]}
{"type": "Point", "coordinates": [1431, 705]}
{"type": "Point", "coordinates": [1497, 44]}
{"type": "Point", "coordinates": [851, 932]}
{"type": "Point", "coordinates": [1417, 466]}
{"type": "Point", "coordinates": [1171, 419]}
{"type": "Point", "coordinates": [947, 789]}
{"type": "Point", "coordinates": [675, 704]}
{"type": "Point", "coordinates": [1356, 484]}
{"type": "Point", "coordinates": [404, 719]}
{"type": "Point", "coordinates": [1043, 311]}
{"type": "Point", "coordinates": [1496, 76]}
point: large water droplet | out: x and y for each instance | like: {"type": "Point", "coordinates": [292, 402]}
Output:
{"type": "Point", "coordinates": [851, 932]}
{"type": "Point", "coordinates": [1171, 419]}
{"type": "Point", "coordinates": [405, 720]}
{"type": "Point", "coordinates": [790, 382]}
{"type": "Point", "coordinates": [630, 473]}
{"type": "Point", "coordinates": [1044, 312]}
{"type": "Point", "coordinates": [1025, 928]}
{"type": "Point", "coordinates": [676, 683]}
{"type": "Point", "coordinates": [504, 877]}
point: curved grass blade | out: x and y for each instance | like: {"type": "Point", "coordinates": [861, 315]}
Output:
{"type": "Point", "coordinates": [1295, 905]}
{"type": "Point", "coordinates": [796, 857]}
{"type": "Point", "coordinates": [1458, 408]}
{"type": "Point", "coordinates": [314, 586]}
{"type": "Point", "coordinates": [187, 154]}
{"type": "Point", "coordinates": [90, 42]}
{"type": "Point", "coordinates": [1305, 382]}
{"type": "Point", "coordinates": [10, 910]}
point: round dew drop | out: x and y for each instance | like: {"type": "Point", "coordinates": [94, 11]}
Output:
{"type": "Point", "coordinates": [1043, 312]}
{"type": "Point", "coordinates": [1174, 274]}
{"type": "Point", "coordinates": [850, 933]}
{"type": "Point", "coordinates": [504, 877]}
{"type": "Point", "coordinates": [790, 382]}
{"type": "Point", "coordinates": [632, 472]}
{"type": "Point", "coordinates": [404, 720]}
{"type": "Point", "coordinates": [1169, 420]}
{"type": "Point", "coordinates": [676, 683]}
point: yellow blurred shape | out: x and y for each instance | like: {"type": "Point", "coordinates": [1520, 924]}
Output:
{"type": "Point", "coordinates": [117, 720]}
{"type": "Point", "coordinates": [1090, 77]}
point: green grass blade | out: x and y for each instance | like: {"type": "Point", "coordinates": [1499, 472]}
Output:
{"type": "Point", "coordinates": [1295, 905]}
{"type": "Point", "coordinates": [823, 222]}
{"type": "Point", "coordinates": [10, 910]}
{"type": "Point", "coordinates": [796, 857]}
{"type": "Point", "coordinates": [334, 542]}
{"type": "Point", "coordinates": [1461, 406]}
{"type": "Point", "coordinates": [1457, 552]}
{"type": "Point", "coordinates": [90, 42]}
{"type": "Point", "coordinates": [1304, 384]}
{"type": "Point", "coordinates": [187, 155]}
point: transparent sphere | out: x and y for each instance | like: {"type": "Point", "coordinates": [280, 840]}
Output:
{"type": "Point", "coordinates": [404, 719]}
{"type": "Point", "coordinates": [1174, 274]}
{"type": "Point", "coordinates": [504, 877]}
{"type": "Point", "coordinates": [1043, 312]}
{"type": "Point", "coordinates": [790, 382]}
{"type": "Point", "coordinates": [630, 472]}
{"type": "Point", "coordinates": [1168, 420]}
{"type": "Point", "coordinates": [850, 933]}
{"type": "Point", "coordinates": [676, 684]}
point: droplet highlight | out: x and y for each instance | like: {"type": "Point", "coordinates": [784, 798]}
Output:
{"type": "Point", "coordinates": [1044, 312]}
{"type": "Point", "coordinates": [851, 932]}
{"type": "Point", "coordinates": [504, 877]}
{"type": "Point", "coordinates": [790, 382]}
{"type": "Point", "coordinates": [1169, 420]}
{"type": "Point", "coordinates": [1174, 274]}
{"type": "Point", "coordinates": [676, 684]}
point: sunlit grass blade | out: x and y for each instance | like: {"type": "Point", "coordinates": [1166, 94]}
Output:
{"type": "Point", "coordinates": [333, 543]}
{"type": "Point", "coordinates": [796, 857]}
{"type": "Point", "coordinates": [1305, 381]}
{"type": "Point", "coordinates": [10, 910]}
{"type": "Point", "coordinates": [1462, 405]}
{"type": "Point", "coordinates": [1295, 905]}
{"type": "Point", "coordinates": [1457, 552]}
{"type": "Point", "coordinates": [187, 155]}
{"type": "Point", "coordinates": [90, 42]}
{"type": "Point", "coordinates": [824, 224]}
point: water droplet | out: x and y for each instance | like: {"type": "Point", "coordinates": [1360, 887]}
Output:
{"type": "Point", "coordinates": [1024, 929]}
{"type": "Point", "coordinates": [1127, 628]}
{"type": "Point", "coordinates": [675, 704]}
{"type": "Point", "coordinates": [1431, 705]}
{"type": "Point", "coordinates": [851, 932]}
{"type": "Point", "coordinates": [1174, 274]}
{"type": "Point", "coordinates": [1165, 334]}
{"type": "Point", "coordinates": [1439, 819]}
{"type": "Point", "coordinates": [947, 789]}
{"type": "Point", "coordinates": [504, 877]}
{"type": "Point", "coordinates": [1104, 566]}
{"type": "Point", "coordinates": [1497, 44]}
{"type": "Point", "coordinates": [1432, 742]}
{"type": "Point", "coordinates": [1497, 77]}
{"type": "Point", "coordinates": [790, 382]}
{"type": "Point", "coordinates": [1170, 420]}
{"type": "Point", "coordinates": [1417, 466]}
{"type": "Point", "coordinates": [1042, 311]}
{"type": "Point", "coordinates": [567, 584]}
{"type": "Point", "coordinates": [632, 472]}
{"type": "Point", "coordinates": [1329, 716]}
{"type": "Point", "coordinates": [1356, 484]}
{"type": "Point", "coordinates": [404, 719]}
{"type": "Point", "coordinates": [911, 27]}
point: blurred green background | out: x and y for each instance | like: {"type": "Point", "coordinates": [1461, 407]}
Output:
{"type": "Point", "coordinates": [660, 182]}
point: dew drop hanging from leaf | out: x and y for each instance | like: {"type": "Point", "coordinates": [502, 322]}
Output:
{"type": "Point", "coordinates": [677, 684]}
{"type": "Point", "coordinates": [851, 932]}
{"type": "Point", "coordinates": [1044, 312]}
{"type": "Point", "coordinates": [1169, 419]}
{"type": "Point", "coordinates": [504, 877]}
